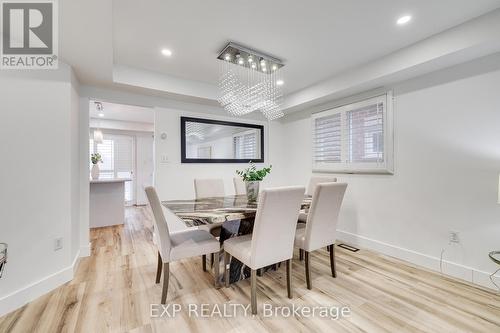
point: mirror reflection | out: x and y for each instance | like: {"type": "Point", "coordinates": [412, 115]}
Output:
{"type": "Point", "coordinates": [221, 141]}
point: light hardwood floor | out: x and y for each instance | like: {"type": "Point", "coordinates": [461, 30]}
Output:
{"type": "Point", "coordinates": [113, 290]}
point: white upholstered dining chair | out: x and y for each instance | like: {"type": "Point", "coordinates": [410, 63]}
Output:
{"type": "Point", "coordinates": [272, 238]}
{"type": "Point", "coordinates": [239, 186]}
{"type": "Point", "coordinates": [320, 229]}
{"type": "Point", "coordinates": [209, 188]}
{"type": "Point", "coordinates": [179, 245]}
{"type": "Point", "coordinates": [313, 182]}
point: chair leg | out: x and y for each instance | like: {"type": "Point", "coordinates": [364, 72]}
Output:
{"type": "Point", "coordinates": [308, 271]}
{"type": "Point", "coordinates": [253, 293]}
{"type": "Point", "coordinates": [289, 277]}
{"type": "Point", "coordinates": [216, 269]}
{"type": "Point", "coordinates": [332, 260]}
{"type": "Point", "coordinates": [204, 262]}
{"type": "Point", "coordinates": [166, 275]}
{"type": "Point", "coordinates": [158, 268]}
{"type": "Point", "coordinates": [301, 254]}
{"type": "Point", "coordinates": [211, 260]}
{"type": "Point", "coordinates": [227, 263]}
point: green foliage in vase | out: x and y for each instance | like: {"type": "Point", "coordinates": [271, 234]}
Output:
{"type": "Point", "coordinates": [251, 173]}
{"type": "Point", "coordinates": [96, 158]}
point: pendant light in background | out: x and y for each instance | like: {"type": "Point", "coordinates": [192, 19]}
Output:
{"type": "Point", "coordinates": [98, 138]}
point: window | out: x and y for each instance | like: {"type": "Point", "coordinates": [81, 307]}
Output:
{"type": "Point", "coordinates": [117, 152]}
{"type": "Point", "coordinates": [205, 152]}
{"type": "Point", "coordinates": [246, 145]}
{"type": "Point", "coordinates": [357, 137]}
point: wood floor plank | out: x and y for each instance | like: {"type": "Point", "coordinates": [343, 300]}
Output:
{"type": "Point", "coordinates": [114, 288]}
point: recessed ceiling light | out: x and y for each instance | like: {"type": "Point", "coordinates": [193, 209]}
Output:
{"type": "Point", "coordinates": [280, 82]}
{"type": "Point", "coordinates": [403, 19]}
{"type": "Point", "coordinates": [101, 114]}
{"type": "Point", "coordinates": [166, 52]}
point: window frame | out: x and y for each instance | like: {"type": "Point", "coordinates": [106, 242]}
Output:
{"type": "Point", "coordinates": [242, 135]}
{"type": "Point", "coordinates": [114, 171]}
{"type": "Point", "coordinates": [344, 166]}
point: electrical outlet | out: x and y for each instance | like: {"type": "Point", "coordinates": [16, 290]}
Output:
{"type": "Point", "coordinates": [454, 237]}
{"type": "Point", "coordinates": [164, 159]}
{"type": "Point", "coordinates": [58, 243]}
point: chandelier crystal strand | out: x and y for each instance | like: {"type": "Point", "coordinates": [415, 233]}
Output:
{"type": "Point", "coordinates": [245, 89]}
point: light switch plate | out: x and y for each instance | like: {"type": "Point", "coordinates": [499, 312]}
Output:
{"type": "Point", "coordinates": [58, 243]}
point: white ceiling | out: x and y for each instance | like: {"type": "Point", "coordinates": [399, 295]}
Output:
{"type": "Point", "coordinates": [122, 112]}
{"type": "Point", "coordinates": [202, 133]}
{"type": "Point", "coordinates": [315, 38]}
{"type": "Point", "coordinates": [118, 43]}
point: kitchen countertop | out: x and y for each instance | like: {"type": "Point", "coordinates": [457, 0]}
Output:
{"type": "Point", "coordinates": [109, 180]}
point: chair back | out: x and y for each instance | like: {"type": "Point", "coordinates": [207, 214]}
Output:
{"type": "Point", "coordinates": [239, 186]}
{"type": "Point", "coordinates": [275, 223]}
{"type": "Point", "coordinates": [321, 225]}
{"type": "Point", "coordinates": [207, 188]}
{"type": "Point", "coordinates": [160, 223]}
{"type": "Point", "coordinates": [314, 181]}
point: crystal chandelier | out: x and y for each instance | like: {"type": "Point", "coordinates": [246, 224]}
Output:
{"type": "Point", "coordinates": [195, 130]}
{"type": "Point", "coordinates": [250, 81]}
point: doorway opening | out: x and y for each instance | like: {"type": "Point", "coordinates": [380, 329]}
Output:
{"type": "Point", "coordinates": [123, 137]}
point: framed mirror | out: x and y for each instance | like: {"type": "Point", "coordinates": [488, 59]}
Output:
{"type": "Point", "coordinates": [216, 141]}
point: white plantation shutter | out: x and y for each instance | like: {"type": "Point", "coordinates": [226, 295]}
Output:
{"type": "Point", "coordinates": [326, 139]}
{"type": "Point", "coordinates": [246, 146]}
{"type": "Point", "coordinates": [354, 138]}
{"type": "Point", "coordinates": [106, 149]}
{"type": "Point", "coordinates": [123, 160]}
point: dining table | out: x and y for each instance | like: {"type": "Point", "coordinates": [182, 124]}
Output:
{"type": "Point", "coordinates": [235, 212]}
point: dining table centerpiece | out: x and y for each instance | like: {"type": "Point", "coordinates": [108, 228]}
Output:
{"type": "Point", "coordinates": [252, 178]}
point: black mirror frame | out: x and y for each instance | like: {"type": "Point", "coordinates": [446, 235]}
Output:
{"type": "Point", "coordinates": [184, 159]}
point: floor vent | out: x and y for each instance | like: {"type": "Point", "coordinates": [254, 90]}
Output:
{"type": "Point", "coordinates": [348, 247]}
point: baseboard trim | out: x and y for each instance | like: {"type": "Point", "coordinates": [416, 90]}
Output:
{"type": "Point", "coordinates": [20, 297]}
{"type": "Point", "coordinates": [452, 269]}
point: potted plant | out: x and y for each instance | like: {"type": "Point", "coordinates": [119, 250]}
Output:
{"type": "Point", "coordinates": [252, 178]}
{"type": "Point", "coordinates": [95, 158]}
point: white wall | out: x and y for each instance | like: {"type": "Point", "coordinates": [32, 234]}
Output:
{"type": "Point", "coordinates": [447, 161]}
{"type": "Point", "coordinates": [83, 134]}
{"type": "Point", "coordinates": [39, 195]}
{"type": "Point", "coordinates": [144, 165]}
{"type": "Point", "coordinates": [74, 151]}
{"type": "Point", "coordinates": [121, 125]}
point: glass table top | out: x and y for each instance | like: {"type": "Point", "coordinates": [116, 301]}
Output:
{"type": "Point", "coordinates": [198, 212]}
{"type": "Point", "coordinates": [495, 256]}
